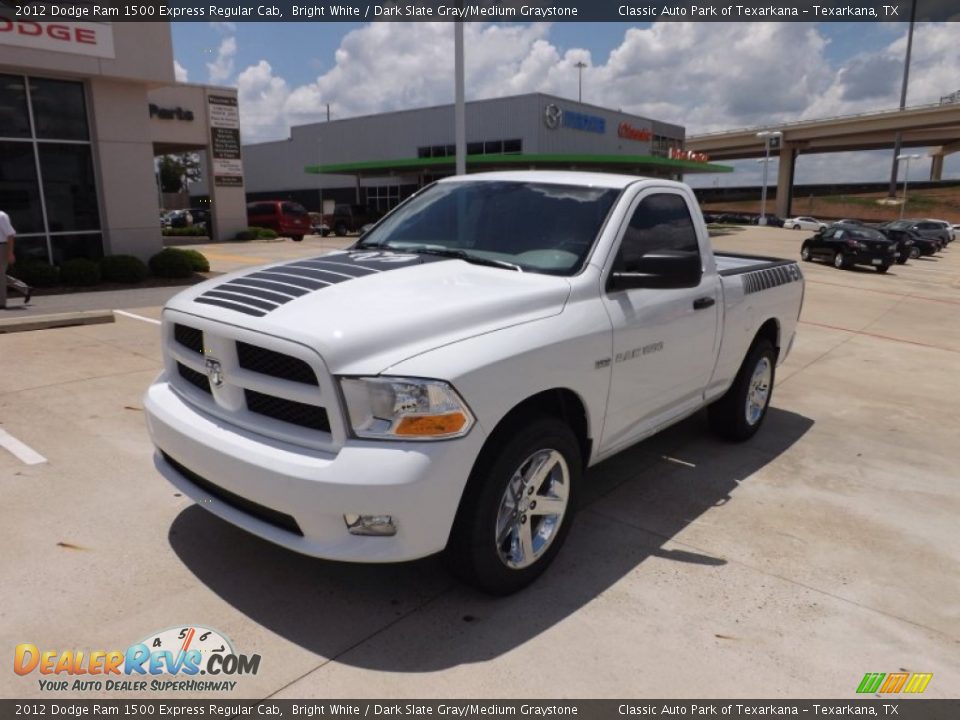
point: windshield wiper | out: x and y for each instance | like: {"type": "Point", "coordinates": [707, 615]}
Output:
{"type": "Point", "coordinates": [467, 257]}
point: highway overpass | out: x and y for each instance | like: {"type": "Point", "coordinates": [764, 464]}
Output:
{"type": "Point", "coordinates": [933, 126]}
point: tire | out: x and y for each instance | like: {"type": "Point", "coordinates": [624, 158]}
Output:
{"type": "Point", "coordinates": [805, 253]}
{"type": "Point", "coordinates": [340, 229]}
{"type": "Point", "coordinates": [740, 412]}
{"type": "Point", "coordinates": [297, 238]}
{"type": "Point", "coordinates": [797, 227]}
{"type": "Point", "coordinates": [488, 506]}
{"type": "Point", "coordinates": [883, 268]}
{"type": "Point", "coordinates": [902, 258]}
{"type": "Point", "coordinates": [914, 252]}
{"type": "Point", "coordinates": [839, 261]}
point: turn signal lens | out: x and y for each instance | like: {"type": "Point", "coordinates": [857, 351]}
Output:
{"type": "Point", "coordinates": [449, 424]}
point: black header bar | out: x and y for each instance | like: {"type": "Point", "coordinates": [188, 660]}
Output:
{"type": "Point", "coordinates": [477, 11]}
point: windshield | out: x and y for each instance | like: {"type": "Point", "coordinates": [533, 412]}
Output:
{"type": "Point", "coordinates": [537, 227]}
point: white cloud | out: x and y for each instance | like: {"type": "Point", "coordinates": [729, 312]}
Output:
{"type": "Point", "coordinates": [261, 96]}
{"type": "Point", "coordinates": [179, 72]}
{"type": "Point", "coordinates": [221, 68]}
{"type": "Point", "coordinates": [224, 27]}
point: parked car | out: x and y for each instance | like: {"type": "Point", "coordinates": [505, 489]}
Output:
{"type": "Point", "coordinates": [772, 220]}
{"type": "Point", "coordinates": [848, 245]}
{"type": "Point", "coordinates": [201, 217]}
{"type": "Point", "coordinates": [909, 244]}
{"type": "Point", "coordinates": [286, 218]}
{"type": "Point", "coordinates": [179, 219]}
{"type": "Point", "coordinates": [388, 402]}
{"type": "Point", "coordinates": [350, 218]}
{"type": "Point", "coordinates": [734, 218]}
{"type": "Point", "coordinates": [927, 229]}
{"type": "Point", "coordinates": [947, 232]}
{"type": "Point", "coordinates": [804, 222]}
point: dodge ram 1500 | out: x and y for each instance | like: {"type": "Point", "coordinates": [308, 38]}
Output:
{"type": "Point", "coordinates": [444, 384]}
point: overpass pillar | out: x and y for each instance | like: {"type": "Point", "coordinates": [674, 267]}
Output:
{"type": "Point", "coordinates": [788, 160]}
{"type": "Point", "coordinates": [936, 167]}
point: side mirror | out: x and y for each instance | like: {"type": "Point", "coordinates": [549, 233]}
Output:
{"type": "Point", "coordinates": [663, 269]}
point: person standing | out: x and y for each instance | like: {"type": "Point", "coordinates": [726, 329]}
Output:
{"type": "Point", "coordinates": [7, 237]}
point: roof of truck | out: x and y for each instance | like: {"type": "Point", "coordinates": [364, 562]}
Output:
{"type": "Point", "coordinates": [561, 177]}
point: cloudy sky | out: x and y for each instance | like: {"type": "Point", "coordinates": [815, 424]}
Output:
{"type": "Point", "coordinates": [704, 76]}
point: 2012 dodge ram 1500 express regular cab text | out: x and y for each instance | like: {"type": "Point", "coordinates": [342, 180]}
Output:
{"type": "Point", "coordinates": [444, 384]}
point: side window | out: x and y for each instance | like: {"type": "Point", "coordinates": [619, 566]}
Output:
{"type": "Point", "coordinates": [661, 223]}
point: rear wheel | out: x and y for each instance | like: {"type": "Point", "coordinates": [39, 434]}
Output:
{"type": "Point", "coordinates": [805, 253]}
{"type": "Point", "coordinates": [740, 412]}
{"type": "Point", "coordinates": [839, 261]}
{"type": "Point", "coordinates": [297, 238]}
{"type": "Point", "coordinates": [796, 227]}
{"type": "Point", "coordinates": [340, 229]}
{"type": "Point", "coordinates": [883, 268]}
{"type": "Point", "coordinates": [914, 252]}
{"type": "Point", "coordinates": [517, 508]}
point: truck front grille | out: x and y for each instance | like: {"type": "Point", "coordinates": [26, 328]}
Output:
{"type": "Point", "coordinates": [288, 411]}
{"type": "Point", "coordinates": [261, 383]}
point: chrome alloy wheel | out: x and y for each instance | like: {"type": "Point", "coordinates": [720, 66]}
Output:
{"type": "Point", "coordinates": [759, 391]}
{"type": "Point", "coordinates": [532, 508]}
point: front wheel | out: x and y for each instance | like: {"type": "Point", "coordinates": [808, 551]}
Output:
{"type": "Point", "coordinates": [740, 412]}
{"type": "Point", "coordinates": [883, 268]}
{"type": "Point", "coordinates": [839, 261]}
{"type": "Point", "coordinates": [797, 227]}
{"type": "Point", "coordinates": [340, 229]}
{"type": "Point", "coordinates": [914, 253]}
{"type": "Point", "coordinates": [517, 508]}
{"type": "Point", "coordinates": [297, 238]}
{"type": "Point", "coordinates": [805, 253]}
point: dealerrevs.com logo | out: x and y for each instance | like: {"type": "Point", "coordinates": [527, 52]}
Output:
{"type": "Point", "coordinates": [171, 660]}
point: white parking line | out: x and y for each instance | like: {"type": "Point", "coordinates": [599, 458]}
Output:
{"type": "Point", "coordinates": [136, 317]}
{"type": "Point", "coordinates": [24, 453]}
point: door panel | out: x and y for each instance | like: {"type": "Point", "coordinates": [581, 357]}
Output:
{"type": "Point", "coordinates": [664, 348]}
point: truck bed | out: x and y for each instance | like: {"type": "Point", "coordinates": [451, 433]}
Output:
{"type": "Point", "coordinates": [736, 264]}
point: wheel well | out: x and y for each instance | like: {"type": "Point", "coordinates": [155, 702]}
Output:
{"type": "Point", "coordinates": [561, 403]}
{"type": "Point", "coordinates": [770, 330]}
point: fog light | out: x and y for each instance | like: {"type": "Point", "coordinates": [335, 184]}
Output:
{"type": "Point", "coordinates": [378, 525]}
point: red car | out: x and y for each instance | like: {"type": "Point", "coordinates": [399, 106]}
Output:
{"type": "Point", "coordinates": [288, 219]}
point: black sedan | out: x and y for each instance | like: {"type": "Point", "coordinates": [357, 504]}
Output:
{"type": "Point", "coordinates": [911, 243]}
{"type": "Point", "coordinates": [925, 228]}
{"type": "Point", "coordinates": [847, 245]}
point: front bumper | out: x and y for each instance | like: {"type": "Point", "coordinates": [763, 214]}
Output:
{"type": "Point", "coordinates": [419, 484]}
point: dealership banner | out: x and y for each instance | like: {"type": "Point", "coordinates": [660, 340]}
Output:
{"type": "Point", "coordinates": [485, 10]}
{"type": "Point", "coordinates": [470, 709]}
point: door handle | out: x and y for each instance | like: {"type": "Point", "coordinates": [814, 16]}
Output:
{"type": "Point", "coordinates": [704, 302]}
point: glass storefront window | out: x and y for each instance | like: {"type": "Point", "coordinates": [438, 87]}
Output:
{"type": "Point", "coordinates": [19, 194]}
{"type": "Point", "coordinates": [31, 247]}
{"type": "Point", "coordinates": [59, 109]}
{"type": "Point", "coordinates": [14, 120]}
{"type": "Point", "coordinates": [69, 187]}
{"type": "Point", "coordinates": [86, 245]}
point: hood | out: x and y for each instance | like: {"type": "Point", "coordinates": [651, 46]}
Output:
{"type": "Point", "coordinates": [364, 311]}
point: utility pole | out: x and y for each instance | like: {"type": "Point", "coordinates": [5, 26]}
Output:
{"type": "Point", "coordinates": [459, 113]}
{"type": "Point", "coordinates": [580, 65]}
{"type": "Point", "coordinates": [898, 139]}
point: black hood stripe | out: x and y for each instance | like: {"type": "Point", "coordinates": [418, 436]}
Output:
{"type": "Point", "coordinates": [249, 294]}
{"type": "Point", "coordinates": [270, 285]}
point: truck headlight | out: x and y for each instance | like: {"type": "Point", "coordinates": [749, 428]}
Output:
{"type": "Point", "coordinates": [405, 408]}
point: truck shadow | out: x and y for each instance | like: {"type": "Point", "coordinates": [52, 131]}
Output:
{"type": "Point", "coordinates": [631, 506]}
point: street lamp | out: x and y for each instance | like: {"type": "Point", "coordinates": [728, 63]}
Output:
{"type": "Point", "coordinates": [906, 177]}
{"type": "Point", "coordinates": [580, 65]}
{"type": "Point", "coordinates": [766, 135]}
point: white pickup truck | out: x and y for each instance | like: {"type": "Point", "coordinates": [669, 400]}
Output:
{"type": "Point", "coordinates": [444, 384]}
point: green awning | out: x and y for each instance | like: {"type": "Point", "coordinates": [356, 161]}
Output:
{"type": "Point", "coordinates": [610, 163]}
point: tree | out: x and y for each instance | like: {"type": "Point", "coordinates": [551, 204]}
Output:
{"type": "Point", "coordinates": [178, 170]}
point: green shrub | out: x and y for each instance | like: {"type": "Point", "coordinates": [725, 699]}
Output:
{"type": "Point", "coordinates": [192, 231]}
{"type": "Point", "coordinates": [246, 235]}
{"type": "Point", "coordinates": [36, 273]}
{"type": "Point", "coordinates": [123, 269]}
{"type": "Point", "coordinates": [265, 233]}
{"type": "Point", "coordinates": [170, 263]}
{"type": "Point", "coordinates": [79, 272]}
{"type": "Point", "coordinates": [198, 262]}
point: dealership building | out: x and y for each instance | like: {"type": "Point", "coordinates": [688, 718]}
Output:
{"type": "Point", "coordinates": [377, 160]}
{"type": "Point", "coordinates": [85, 108]}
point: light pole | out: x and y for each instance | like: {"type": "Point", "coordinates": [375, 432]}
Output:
{"type": "Point", "coordinates": [580, 65]}
{"type": "Point", "coordinates": [459, 107]}
{"type": "Point", "coordinates": [898, 138]}
{"type": "Point", "coordinates": [906, 178]}
{"type": "Point", "coordinates": [766, 135]}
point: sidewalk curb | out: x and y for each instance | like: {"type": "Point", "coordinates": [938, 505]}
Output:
{"type": "Point", "coordinates": [43, 322]}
